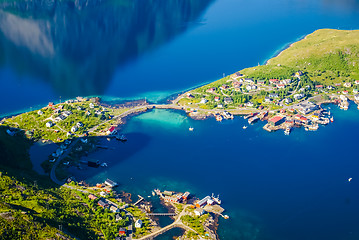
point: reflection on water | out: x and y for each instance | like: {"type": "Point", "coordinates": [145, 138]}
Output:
{"type": "Point", "coordinates": [76, 45]}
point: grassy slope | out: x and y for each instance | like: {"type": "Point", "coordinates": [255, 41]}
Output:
{"type": "Point", "coordinates": [328, 56]}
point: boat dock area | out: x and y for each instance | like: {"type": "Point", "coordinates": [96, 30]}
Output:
{"type": "Point", "coordinates": [216, 209]}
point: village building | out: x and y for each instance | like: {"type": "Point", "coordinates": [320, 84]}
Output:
{"type": "Point", "coordinates": [114, 209]}
{"type": "Point", "coordinates": [249, 104]}
{"type": "Point", "coordinates": [110, 183]}
{"type": "Point", "coordinates": [189, 95]}
{"type": "Point", "coordinates": [345, 92]}
{"type": "Point", "coordinates": [330, 87]}
{"type": "Point", "coordinates": [49, 124]}
{"type": "Point", "coordinates": [203, 101]}
{"type": "Point", "coordinates": [319, 86]}
{"type": "Point", "coordinates": [224, 86]}
{"type": "Point", "coordinates": [355, 90]}
{"type": "Point", "coordinates": [67, 113]}
{"type": "Point", "coordinates": [228, 100]}
{"type": "Point", "coordinates": [347, 84]}
{"type": "Point", "coordinates": [288, 100]}
{"type": "Point", "coordinates": [211, 90]}
{"type": "Point", "coordinates": [216, 99]}
{"type": "Point", "coordinates": [92, 197]}
{"type": "Point", "coordinates": [251, 87]}
{"type": "Point", "coordinates": [273, 81]}
{"type": "Point", "coordinates": [138, 223]}
{"type": "Point", "coordinates": [40, 112]}
{"type": "Point", "coordinates": [275, 121]}
{"type": "Point", "coordinates": [79, 124]}
{"type": "Point", "coordinates": [122, 231]}
{"type": "Point", "coordinates": [262, 82]}
{"type": "Point", "coordinates": [273, 95]}
{"type": "Point", "coordinates": [199, 212]}
{"type": "Point", "coordinates": [91, 105]}
{"type": "Point", "coordinates": [279, 86]}
{"type": "Point", "coordinates": [102, 204]}
{"type": "Point", "coordinates": [74, 129]}
{"type": "Point", "coordinates": [111, 130]}
{"type": "Point", "coordinates": [203, 202]}
{"type": "Point", "coordinates": [249, 80]}
{"type": "Point", "coordinates": [267, 99]}
{"type": "Point", "coordinates": [356, 82]}
{"type": "Point", "coordinates": [356, 97]}
{"type": "Point", "coordinates": [185, 195]}
{"type": "Point", "coordinates": [298, 96]}
{"type": "Point", "coordinates": [286, 81]}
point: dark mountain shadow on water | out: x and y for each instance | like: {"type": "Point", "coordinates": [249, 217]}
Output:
{"type": "Point", "coordinates": [76, 46]}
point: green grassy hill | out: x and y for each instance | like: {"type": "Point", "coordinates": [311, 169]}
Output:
{"type": "Point", "coordinates": [327, 56]}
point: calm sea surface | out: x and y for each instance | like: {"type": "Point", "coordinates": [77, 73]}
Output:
{"type": "Point", "coordinates": [274, 187]}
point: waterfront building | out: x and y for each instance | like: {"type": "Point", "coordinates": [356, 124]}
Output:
{"type": "Point", "coordinates": [203, 202]}
{"type": "Point", "coordinates": [298, 96]}
{"type": "Point", "coordinates": [185, 195]}
{"type": "Point", "coordinates": [110, 183]}
{"type": "Point", "coordinates": [111, 130]}
{"type": "Point", "coordinates": [275, 121]}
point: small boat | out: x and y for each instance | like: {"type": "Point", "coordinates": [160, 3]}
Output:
{"type": "Point", "coordinates": [122, 138]}
{"type": "Point", "coordinates": [350, 179]}
{"type": "Point", "coordinates": [190, 129]}
{"type": "Point", "coordinates": [153, 193]}
{"type": "Point", "coordinates": [66, 163]}
{"type": "Point", "coordinates": [225, 216]}
{"type": "Point", "coordinates": [245, 127]}
{"type": "Point", "coordinates": [332, 119]}
{"type": "Point", "coordinates": [287, 131]}
{"type": "Point", "coordinates": [104, 164]}
{"type": "Point", "coordinates": [52, 160]}
{"type": "Point", "coordinates": [306, 129]}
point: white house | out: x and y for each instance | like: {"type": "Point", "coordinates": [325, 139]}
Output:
{"type": "Point", "coordinates": [49, 124]}
{"type": "Point", "coordinates": [273, 95]}
{"type": "Point", "coordinates": [267, 99]}
{"type": "Point", "coordinates": [40, 112]}
{"type": "Point", "coordinates": [356, 97]}
{"type": "Point", "coordinates": [199, 211]}
{"type": "Point", "coordinates": [251, 87]}
{"type": "Point", "coordinates": [249, 104]}
{"type": "Point", "coordinates": [203, 101]}
{"type": "Point", "coordinates": [138, 223]}
{"type": "Point", "coordinates": [91, 105]}
{"type": "Point", "coordinates": [74, 129]}
{"type": "Point", "coordinates": [298, 96]}
{"type": "Point", "coordinates": [347, 84]}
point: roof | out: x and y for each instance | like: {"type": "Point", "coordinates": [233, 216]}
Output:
{"type": "Point", "coordinates": [112, 129]}
{"type": "Point", "coordinates": [275, 119]}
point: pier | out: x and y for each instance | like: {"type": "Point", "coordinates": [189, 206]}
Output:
{"type": "Point", "coordinates": [161, 214]}
{"type": "Point", "coordinates": [139, 200]}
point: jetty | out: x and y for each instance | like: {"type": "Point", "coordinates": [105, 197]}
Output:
{"type": "Point", "coordinates": [139, 200]}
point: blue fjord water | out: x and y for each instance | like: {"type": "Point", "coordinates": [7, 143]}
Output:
{"type": "Point", "coordinates": [134, 48]}
{"type": "Point", "coordinates": [273, 186]}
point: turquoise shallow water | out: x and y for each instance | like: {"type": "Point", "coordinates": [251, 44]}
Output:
{"type": "Point", "coordinates": [273, 186]}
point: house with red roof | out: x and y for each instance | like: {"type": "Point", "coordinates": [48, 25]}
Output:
{"type": "Point", "coordinates": [275, 121]}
